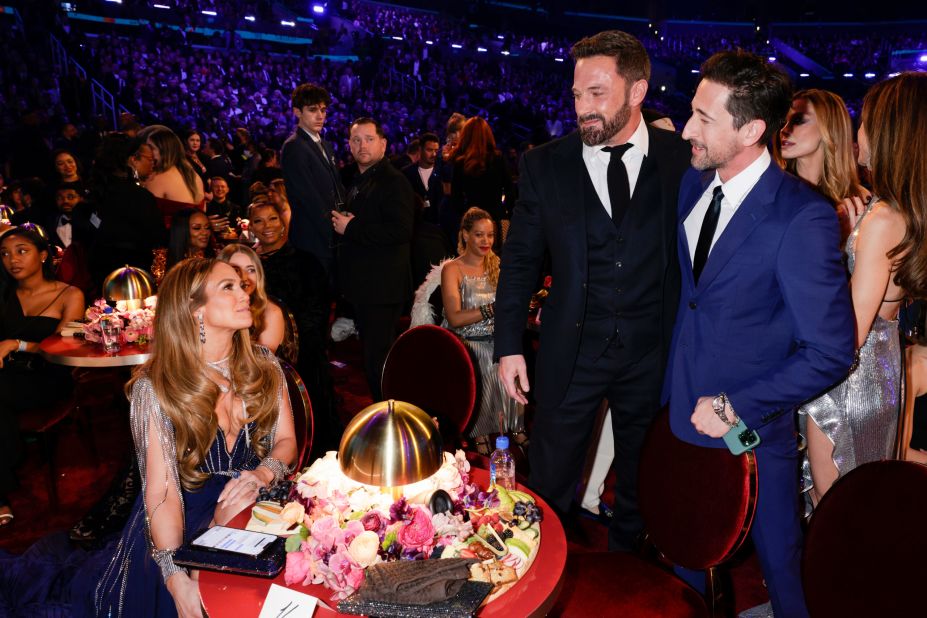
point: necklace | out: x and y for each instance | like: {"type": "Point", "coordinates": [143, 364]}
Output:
{"type": "Point", "coordinates": [221, 367]}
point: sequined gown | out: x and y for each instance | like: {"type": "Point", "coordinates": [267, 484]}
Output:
{"type": "Point", "coordinates": [860, 414]}
{"type": "Point", "coordinates": [478, 337]}
{"type": "Point", "coordinates": [121, 580]}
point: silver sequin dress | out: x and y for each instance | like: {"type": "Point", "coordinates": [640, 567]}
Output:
{"type": "Point", "coordinates": [478, 337]}
{"type": "Point", "coordinates": [860, 414]}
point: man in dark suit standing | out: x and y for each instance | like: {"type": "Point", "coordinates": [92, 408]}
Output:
{"type": "Point", "coordinates": [764, 320]}
{"type": "Point", "coordinates": [374, 249]}
{"type": "Point", "coordinates": [602, 202]}
{"type": "Point", "coordinates": [311, 176]}
{"type": "Point", "coordinates": [425, 178]}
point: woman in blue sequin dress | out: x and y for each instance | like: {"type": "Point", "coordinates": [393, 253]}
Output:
{"type": "Point", "coordinates": [211, 423]}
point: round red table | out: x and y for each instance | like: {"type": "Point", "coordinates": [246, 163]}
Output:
{"type": "Point", "coordinates": [75, 352]}
{"type": "Point", "coordinates": [533, 595]}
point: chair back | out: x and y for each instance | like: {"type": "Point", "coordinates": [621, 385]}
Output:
{"type": "Point", "coordinates": [288, 349]}
{"type": "Point", "coordinates": [302, 413]}
{"type": "Point", "coordinates": [430, 367]}
{"type": "Point", "coordinates": [697, 503]}
{"type": "Point", "coordinates": [866, 546]}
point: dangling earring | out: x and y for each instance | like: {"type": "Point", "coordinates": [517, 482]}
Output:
{"type": "Point", "coordinates": [199, 318]}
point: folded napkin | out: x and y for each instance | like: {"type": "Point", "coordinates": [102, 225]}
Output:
{"type": "Point", "coordinates": [417, 582]}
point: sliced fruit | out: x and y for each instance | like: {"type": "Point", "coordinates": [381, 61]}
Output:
{"type": "Point", "coordinates": [520, 545]}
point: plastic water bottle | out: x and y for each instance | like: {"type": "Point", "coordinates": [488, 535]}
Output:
{"type": "Point", "coordinates": [109, 328]}
{"type": "Point", "coordinates": [501, 465]}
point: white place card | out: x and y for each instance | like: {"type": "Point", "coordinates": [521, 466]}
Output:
{"type": "Point", "coordinates": [282, 602]}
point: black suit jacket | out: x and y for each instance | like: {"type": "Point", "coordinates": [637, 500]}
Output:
{"type": "Point", "coordinates": [550, 217]}
{"type": "Point", "coordinates": [434, 192]}
{"type": "Point", "coordinates": [313, 191]}
{"type": "Point", "coordinates": [374, 253]}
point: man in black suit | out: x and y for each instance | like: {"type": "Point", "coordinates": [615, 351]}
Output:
{"type": "Point", "coordinates": [374, 250]}
{"type": "Point", "coordinates": [602, 202]}
{"type": "Point", "coordinates": [311, 176]}
{"type": "Point", "coordinates": [424, 176]}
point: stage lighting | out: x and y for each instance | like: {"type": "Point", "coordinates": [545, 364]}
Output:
{"type": "Point", "coordinates": [115, 1]}
{"type": "Point", "coordinates": [772, 58]}
{"type": "Point", "coordinates": [318, 9]}
{"type": "Point", "coordinates": [290, 24]}
{"type": "Point", "coordinates": [429, 42]}
{"type": "Point", "coordinates": [848, 75]}
{"type": "Point", "coordinates": [456, 46]}
{"type": "Point", "coordinates": [558, 59]}
{"type": "Point", "coordinates": [869, 75]}
{"type": "Point", "coordinates": [249, 18]}
{"type": "Point", "coordinates": [923, 58]}
{"type": "Point", "coordinates": [481, 50]}
{"type": "Point", "coordinates": [505, 52]}
{"type": "Point", "coordinates": [804, 74]}
{"type": "Point", "coordinates": [397, 38]}
{"type": "Point", "coordinates": [160, 6]}
{"type": "Point", "coordinates": [210, 13]}
{"type": "Point", "coordinates": [694, 71]}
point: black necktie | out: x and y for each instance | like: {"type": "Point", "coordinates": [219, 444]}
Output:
{"type": "Point", "coordinates": [707, 233]}
{"type": "Point", "coordinates": [619, 189]}
{"type": "Point", "coordinates": [64, 220]}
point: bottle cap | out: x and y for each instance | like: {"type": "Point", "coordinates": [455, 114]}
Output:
{"type": "Point", "coordinates": [502, 442]}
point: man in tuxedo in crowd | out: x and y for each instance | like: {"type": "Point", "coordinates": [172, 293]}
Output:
{"type": "Point", "coordinates": [311, 176]}
{"type": "Point", "coordinates": [375, 232]}
{"type": "Point", "coordinates": [602, 202]}
{"type": "Point", "coordinates": [425, 179]}
{"type": "Point", "coordinates": [764, 319]}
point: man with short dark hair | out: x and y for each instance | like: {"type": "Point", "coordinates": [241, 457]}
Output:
{"type": "Point", "coordinates": [602, 202]}
{"type": "Point", "coordinates": [311, 175]}
{"type": "Point", "coordinates": [218, 162]}
{"type": "Point", "coordinates": [425, 178]}
{"type": "Point", "coordinates": [375, 232]}
{"type": "Point", "coordinates": [764, 320]}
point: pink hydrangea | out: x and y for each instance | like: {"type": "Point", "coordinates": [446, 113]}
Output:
{"type": "Point", "coordinates": [298, 567]}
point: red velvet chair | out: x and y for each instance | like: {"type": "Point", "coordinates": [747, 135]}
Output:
{"type": "Point", "coordinates": [866, 546]}
{"type": "Point", "coordinates": [41, 425]}
{"type": "Point", "coordinates": [430, 367]}
{"type": "Point", "coordinates": [694, 518]}
{"type": "Point", "coordinates": [302, 413]}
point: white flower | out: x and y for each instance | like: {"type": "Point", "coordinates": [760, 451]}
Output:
{"type": "Point", "coordinates": [363, 549]}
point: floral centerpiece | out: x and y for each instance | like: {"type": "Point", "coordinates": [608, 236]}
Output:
{"type": "Point", "coordinates": [340, 527]}
{"type": "Point", "coordinates": [137, 323]}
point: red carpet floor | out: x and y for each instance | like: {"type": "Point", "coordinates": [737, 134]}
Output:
{"type": "Point", "coordinates": [81, 481]}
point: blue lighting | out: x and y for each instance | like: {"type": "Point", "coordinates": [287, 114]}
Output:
{"type": "Point", "coordinates": [210, 13]}
{"type": "Point", "coordinates": [456, 46]}
{"type": "Point", "coordinates": [291, 24]}
{"type": "Point", "coordinates": [482, 50]}
{"type": "Point", "coordinates": [318, 9]}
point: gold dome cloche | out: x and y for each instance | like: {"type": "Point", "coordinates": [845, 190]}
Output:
{"type": "Point", "coordinates": [128, 283]}
{"type": "Point", "coordinates": [389, 444]}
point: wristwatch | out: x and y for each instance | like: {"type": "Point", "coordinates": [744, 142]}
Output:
{"type": "Point", "coordinates": [718, 404]}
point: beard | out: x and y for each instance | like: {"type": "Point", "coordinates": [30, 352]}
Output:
{"type": "Point", "coordinates": [712, 158]}
{"type": "Point", "coordinates": [593, 136]}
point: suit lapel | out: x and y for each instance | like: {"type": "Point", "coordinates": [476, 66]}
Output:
{"type": "Point", "coordinates": [750, 214]}
{"type": "Point", "coordinates": [690, 199]}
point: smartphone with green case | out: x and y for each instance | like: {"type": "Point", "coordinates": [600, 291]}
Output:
{"type": "Point", "coordinates": [740, 438]}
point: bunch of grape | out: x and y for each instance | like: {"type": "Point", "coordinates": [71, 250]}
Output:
{"type": "Point", "coordinates": [528, 511]}
{"type": "Point", "coordinates": [280, 492]}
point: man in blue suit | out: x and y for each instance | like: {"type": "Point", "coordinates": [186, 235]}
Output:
{"type": "Point", "coordinates": [764, 319]}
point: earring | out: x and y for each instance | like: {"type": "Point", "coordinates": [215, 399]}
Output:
{"type": "Point", "coordinates": [199, 318]}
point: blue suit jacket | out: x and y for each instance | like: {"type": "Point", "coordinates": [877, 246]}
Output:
{"type": "Point", "coordinates": [770, 322]}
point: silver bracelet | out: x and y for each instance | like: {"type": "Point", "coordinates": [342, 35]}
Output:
{"type": "Point", "coordinates": [165, 561]}
{"type": "Point", "coordinates": [279, 469]}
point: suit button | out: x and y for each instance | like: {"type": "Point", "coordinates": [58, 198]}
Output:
{"type": "Point", "coordinates": [692, 304]}
{"type": "Point", "coordinates": [578, 324]}
{"type": "Point", "coordinates": [618, 264]}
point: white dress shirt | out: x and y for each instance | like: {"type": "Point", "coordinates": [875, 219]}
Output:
{"type": "Point", "coordinates": [63, 229]}
{"type": "Point", "coordinates": [734, 190]}
{"type": "Point", "coordinates": [596, 161]}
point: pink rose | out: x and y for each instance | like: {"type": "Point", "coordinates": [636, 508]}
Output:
{"type": "Point", "coordinates": [131, 335]}
{"type": "Point", "coordinates": [418, 533]}
{"type": "Point", "coordinates": [297, 567]}
{"type": "Point", "coordinates": [373, 521]}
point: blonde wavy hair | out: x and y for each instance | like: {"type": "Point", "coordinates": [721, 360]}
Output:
{"type": "Point", "coordinates": [491, 260]}
{"type": "Point", "coordinates": [895, 121]}
{"type": "Point", "coordinates": [839, 179]}
{"type": "Point", "coordinates": [259, 295]}
{"type": "Point", "coordinates": [177, 373]}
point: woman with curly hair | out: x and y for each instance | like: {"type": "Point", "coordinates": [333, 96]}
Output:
{"type": "Point", "coordinates": [856, 421]}
{"type": "Point", "coordinates": [468, 291]}
{"type": "Point", "coordinates": [268, 326]}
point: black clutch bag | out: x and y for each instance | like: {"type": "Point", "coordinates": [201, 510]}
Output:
{"type": "Point", "coordinates": [268, 563]}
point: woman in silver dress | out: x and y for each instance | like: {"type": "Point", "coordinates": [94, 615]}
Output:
{"type": "Point", "coordinates": [468, 290]}
{"type": "Point", "coordinates": [856, 421]}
